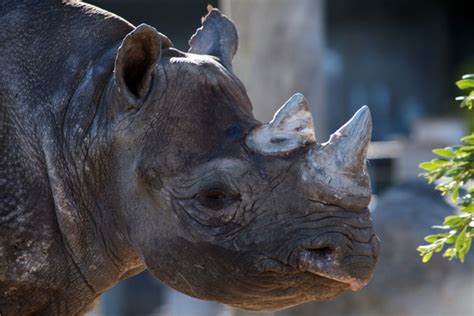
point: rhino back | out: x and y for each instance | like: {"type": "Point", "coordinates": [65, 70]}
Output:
{"type": "Point", "coordinates": [48, 47]}
{"type": "Point", "coordinates": [46, 50]}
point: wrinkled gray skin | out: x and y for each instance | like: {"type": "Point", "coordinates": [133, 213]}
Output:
{"type": "Point", "coordinates": [120, 153]}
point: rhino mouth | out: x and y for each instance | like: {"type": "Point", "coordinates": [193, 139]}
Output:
{"type": "Point", "coordinates": [323, 263]}
{"type": "Point", "coordinates": [281, 285]}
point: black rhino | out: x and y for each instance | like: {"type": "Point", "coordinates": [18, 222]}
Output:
{"type": "Point", "coordinates": [120, 153]}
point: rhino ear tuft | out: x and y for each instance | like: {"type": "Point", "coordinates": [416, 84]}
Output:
{"type": "Point", "coordinates": [137, 56]}
{"type": "Point", "coordinates": [217, 37]}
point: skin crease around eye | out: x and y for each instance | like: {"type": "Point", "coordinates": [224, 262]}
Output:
{"type": "Point", "coordinates": [216, 199]}
{"type": "Point", "coordinates": [215, 195]}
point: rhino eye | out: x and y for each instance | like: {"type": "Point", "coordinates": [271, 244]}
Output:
{"type": "Point", "coordinates": [215, 195]}
{"type": "Point", "coordinates": [216, 199]}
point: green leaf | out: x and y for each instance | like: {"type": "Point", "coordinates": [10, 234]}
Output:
{"type": "Point", "coordinates": [444, 152]}
{"type": "Point", "coordinates": [432, 238]}
{"type": "Point", "coordinates": [465, 248]}
{"type": "Point", "coordinates": [467, 245]}
{"type": "Point", "coordinates": [468, 76]}
{"type": "Point", "coordinates": [427, 257]}
{"type": "Point", "coordinates": [452, 220]}
{"type": "Point", "coordinates": [428, 166]}
{"type": "Point", "coordinates": [467, 210]}
{"type": "Point", "coordinates": [455, 192]}
{"type": "Point", "coordinates": [468, 139]}
{"type": "Point", "coordinates": [460, 240]}
{"type": "Point", "coordinates": [467, 101]}
{"type": "Point", "coordinates": [465, 84]}
{"type": "Point", "coordinates": [425, 248]}
{"type": "Point", "coordinates": [439, 162]}
{"type": "Point", "coordinates": [450, 252]}
{"type": "Point", "coordinates": [450, 240]}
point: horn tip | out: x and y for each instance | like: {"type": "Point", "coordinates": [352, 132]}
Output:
{"type": "Point", "coordinates": [295, 103]}
{"type": "Point", "coordinates": [364, 114]}
{"type": "Point", "coordinates": [296, 100]}
{"type": "Point", "coordinates": [364, 110]}
{"type": "Point", "coordinates": [298, 97]}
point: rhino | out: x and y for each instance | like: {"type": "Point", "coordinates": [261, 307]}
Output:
{"type": "Point", "coordinates": [121, 153]}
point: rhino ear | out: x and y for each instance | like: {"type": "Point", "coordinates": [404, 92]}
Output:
{"type": "Point", "coordinates": [137, 56]}
{"type": "Point", "coordinates": [217, 37]}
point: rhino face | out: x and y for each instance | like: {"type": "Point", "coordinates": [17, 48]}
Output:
{"type": "Point", "coordinates": [222, 207]}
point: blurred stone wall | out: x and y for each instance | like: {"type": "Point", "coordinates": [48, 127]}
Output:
{"type": "Point", "coordinates": [176, 19]}
{"type": "Point", "coordinates": [280, 52]}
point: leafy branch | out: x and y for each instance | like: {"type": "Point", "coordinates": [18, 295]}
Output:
{"type": "Point", "coordinates": [454, 169]}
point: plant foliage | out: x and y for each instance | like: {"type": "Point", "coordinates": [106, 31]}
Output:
{"type": "Point", "coordinates": [454, 169]}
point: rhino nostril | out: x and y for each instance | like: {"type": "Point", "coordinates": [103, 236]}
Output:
{"type": "Point", "coordinates": [327, 261]}
{"type": "Point", "coordinates": [316, 259]}
{"type": "Point", "coordinates": [323, 253]}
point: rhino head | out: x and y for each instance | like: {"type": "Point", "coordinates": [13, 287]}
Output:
{"type": "Point", "coordinates": [220, 206]}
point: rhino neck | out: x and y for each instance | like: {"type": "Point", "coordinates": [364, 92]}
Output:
{"type": "Point", "coordinates": [53, 102]}
{"type": "Point", "coordinates": [79, 173]}
{"type": "Point", "coordinates": [75, 152]}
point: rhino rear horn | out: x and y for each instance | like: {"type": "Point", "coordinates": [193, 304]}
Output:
{"type": "Point", "coordinates": [137, 56]}
{"type": "Point", "coordinates": [217, 37]}
{"type": "Point", "coordinates": [291, 128]}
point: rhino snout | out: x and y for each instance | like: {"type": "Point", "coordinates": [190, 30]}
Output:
{"type": "Point", "coordinates": [343, 263]}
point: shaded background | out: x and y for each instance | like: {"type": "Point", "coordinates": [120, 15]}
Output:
{"type": "Point", "coordinates": [401, 58]}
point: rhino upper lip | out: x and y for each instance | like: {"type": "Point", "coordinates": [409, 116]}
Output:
{"type": "Point", "coordinates": [321, 270]}
{"type": "Point", "coordinates": [325, 265]}
{"type": "Point", "coordinates": [353, 283]}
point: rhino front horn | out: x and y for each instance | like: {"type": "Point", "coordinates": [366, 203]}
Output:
{"type": "Point", "coordinates": [291, 128]}
{"type": "Point", "coordinates": [350, 142]}
{"type": "Point", "coordinates": [338, 167]}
